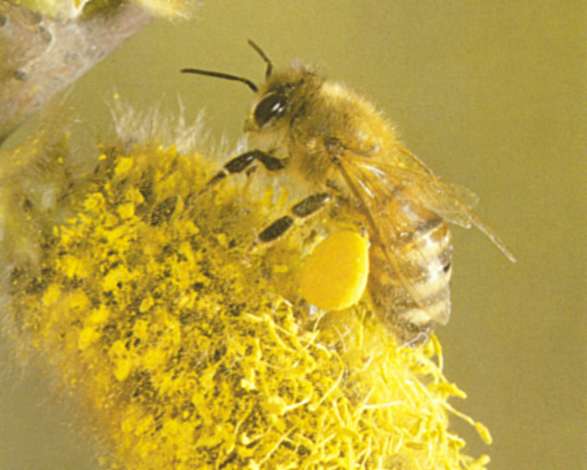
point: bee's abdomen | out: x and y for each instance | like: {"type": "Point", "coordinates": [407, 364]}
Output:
{"type": "Point", "coordinates": [428, 260]}
{"type": "Point", "coordinates": [410, 277]}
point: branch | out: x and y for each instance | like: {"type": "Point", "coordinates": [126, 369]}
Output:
{"type": "Point", "coordinates": [40, 57]}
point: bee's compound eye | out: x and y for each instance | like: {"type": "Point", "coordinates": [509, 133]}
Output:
{"type": "Point", "coordinates": [270, 107]}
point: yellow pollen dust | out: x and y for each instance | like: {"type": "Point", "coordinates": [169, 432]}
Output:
{"type": "Point", "coordinates": [147, 303]}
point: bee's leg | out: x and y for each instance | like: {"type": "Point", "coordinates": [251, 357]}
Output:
{"type": "Point", "coordinates": [301, 210]}
{"type": "Point", "coordinates": [241, 162]}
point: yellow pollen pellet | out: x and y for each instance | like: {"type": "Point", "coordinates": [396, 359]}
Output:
{"type": "Point", "coordinates": [334, 275]}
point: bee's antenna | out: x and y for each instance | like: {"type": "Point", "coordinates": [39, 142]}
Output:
{"type": "Point", "coordinates": [226, 76]}
{"type": "Point", "coordinates": [267, 60]}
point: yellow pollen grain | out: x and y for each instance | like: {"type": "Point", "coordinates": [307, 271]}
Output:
{"type": "Point", "coordinates": [126, 211]}
{"type": "Point", "coordinates": [99, 316]}
{"type": "Point", "coordinates": [87, 337]}
{"type": "Point", "coordinates": [146, 304]}
{"type": "Point", "coordinates": [51, 295]}
{"type": "Point", "coordinates": [73, 267]}
{"type": "Point", "coordinates": [123, 167]}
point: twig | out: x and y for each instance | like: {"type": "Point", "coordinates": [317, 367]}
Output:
{"type": "Point", "coordinates": [40, 57]}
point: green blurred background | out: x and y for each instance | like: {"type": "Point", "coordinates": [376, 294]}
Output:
{"type": "Point", "coordinates": [492, 95]}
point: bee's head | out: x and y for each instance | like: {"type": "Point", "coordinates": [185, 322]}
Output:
{"type": "Point", "coordinates": [280, 99]}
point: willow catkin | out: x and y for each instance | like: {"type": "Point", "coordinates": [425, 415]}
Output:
{"type": "Point", "coordinates": [145, 298]}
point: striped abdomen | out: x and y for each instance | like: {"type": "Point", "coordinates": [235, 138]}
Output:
{"type": "Point", "coordinates": [411, 269]}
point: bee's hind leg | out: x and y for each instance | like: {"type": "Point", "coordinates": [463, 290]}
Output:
{"type": "Point", "coordinates": [306, 207]}
{"type": "Point", "coordinates": [244, 161]}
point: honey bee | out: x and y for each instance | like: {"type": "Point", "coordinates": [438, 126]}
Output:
{"type": "Point", "coordinates": [340, 147]}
